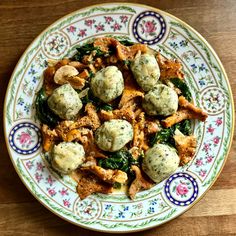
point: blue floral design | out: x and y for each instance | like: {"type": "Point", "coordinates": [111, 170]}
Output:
{"type": "Point", "coordinates": [107, 206]}
{"type": "Point", "coordinates": [174, 45]}
{"type": "Point", "coordinates": [27, 108]}
{"type": "Point", "coordinates": [32, 71]}
{"type": "Point", "coordinates": [183, 43]}
{"type": "Point", "coordinates": [121, 215]}
{"type": "Point", "coordinates": [34, 79]}
{"type": "Point", "coordinates": [201, 82]}
{"type": "Point", "coordinates": [20, 101]}
{"type": "Point", "coordinates": [151, 210]}
{"type": "Point", "coordinates": [202, 67]}
{"type": "Point", "coordinates": [194, 68]}
{"type": "Point", "coordinates": [153, 202]}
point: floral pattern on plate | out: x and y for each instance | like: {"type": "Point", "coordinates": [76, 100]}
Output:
{"type": "Point", "coordinates": [213, 100]}
{"type": "Point", "coordinates": [149, 27]}
{"type": "Point", "coordinates": [25, 138]}
{"type": "Point", "coordinates": [55, 44]}
{"type": "Point", "coordinates": [96, 25]}
{"type": "Point", "coordinates": [181, 189]}
{"type": "Point", "coordinates": [88, 208]}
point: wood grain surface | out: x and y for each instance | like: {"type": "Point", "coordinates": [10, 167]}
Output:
{"type": "Point", "coordinates": [20, 22]}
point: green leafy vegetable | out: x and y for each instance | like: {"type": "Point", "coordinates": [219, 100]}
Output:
{"type": "Point", "coordinates": [43, 112]}
{"type": "Point", "coordinates": [121, 160]}
{"type": "Point", "coordinates": [87, 49]}
{"type": "Point", "coordinates": [126, 42]}
{"type": "Point", "coordinates": [180, 84]}
{"type": "Point", "coordinates": [127, 62]}
{"type": "Point", "coordinates": [184, 127]}
{"type": "Point", "coordinates": [96, 101]}
{"type": "Point", "coordinates": [117, 185]}
{"type": "Point", "coordinates": [91, 74]}
{"type": "Point", "coordinates": [165, 135]}
{"type": "Point", "coordinates": [106, 107]}
{"type": "Point", "coordinates": [162, 136]}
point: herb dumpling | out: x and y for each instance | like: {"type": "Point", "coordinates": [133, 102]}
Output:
{"type": "Point", "coordinates": [113, 135]}
{"type": "Point", "coordinates": [161, 100]}
{"type": "Point", "coordinates": [160, 161]}
{"type": "Point", "coordinates": [67, 156]}
{"type": "Point", "coordinates": [107, 84]}
{"type": "Point", "coordinates": [65, 102]}
{"type": "Point", "coordinates": [145, 70]}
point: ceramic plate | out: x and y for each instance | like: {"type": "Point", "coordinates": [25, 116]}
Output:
{"type": "Point", "coordinates": [210, 90]}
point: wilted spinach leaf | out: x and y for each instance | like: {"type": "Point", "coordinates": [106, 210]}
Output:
{"type": "Point", "coordinates": [184, 127]}
{"type": "Point", "coordinates": [126, 42]}
{"type": "Point", "coordinates": [121, 160]}
{"type": "Point", "coordinates": [162, 136]}
{"type": "Point", "coordinates": [43, 112]}
{"type": "Point", "coordinates": [180, 84]}
{"type": "Point", "coordinates": [106, 107]}
{"type": "Point", "coordinates": [117, 185]}
{"type": "Point", "coordinates": [87, 49]}
{"type": "Point", "coordinates": [165, 135]}
{"type": "Point", "coordinates": [100, 105]}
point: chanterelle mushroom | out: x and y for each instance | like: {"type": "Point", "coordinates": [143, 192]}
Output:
{"type": "Point", "coordinates": [63, 73]}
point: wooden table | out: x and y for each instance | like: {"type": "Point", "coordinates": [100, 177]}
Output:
{"type": "Point", "coordinates": [20, 22]}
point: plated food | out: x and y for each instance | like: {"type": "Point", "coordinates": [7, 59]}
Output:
{"type": "Point", "coordinates": [116, 114]}
{"type": "Point", "coordinates": [49, 179]}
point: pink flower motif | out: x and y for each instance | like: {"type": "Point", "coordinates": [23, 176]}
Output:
{"type": "Point", "coordinates": [150, 27]}
{"type": "Point", "coordinates": [89, 23]}
{"type": "Point", "coordinates": [199, 162]}
{"type": "Point", "coordinates": [19, 114]}
{"type": "Point", "coordinates": [51, 192]}
{"type": "Point", "coordinates": [63, 192]}
{"type": "Point", "coordinates": [66, 203]}
{"type": "Point", "coordinates": [38, 177]}
{"type": "Point", "coordinates": [124, 19]}
{"type": "Point", "coordinates": [99, 27]}
{"type": "Point", "coordinates": [82, 33]}
{"type": "Point", "coordinates": [29, 164]}
{"type": "Point", "coordinates": [108, 19]}
{"type": "Point", "coordinates": [50, 181]}
{"type": "Point", "coordinates": [181, 189]}
{"type": "Point", "coordinates": [219, 121]}
{"type": "Point", "coordinates": [116, 26]}
{"type": "Point", "coordinates": [202, 173]}
{"type": "Point", "coordinates": [56, 43]}
{"type": "Point", "coordinates": [206, 147]}
{"type": "Point", "coordinates": [140, 205]}
{"type": "Point", "coordinates": [40, 166]}
{"type": "Point", "coordinates": [24, 138]}
{"type": "Point", "coordinates": [71, 29]}
{"type": "Point", "coordinates": [210, 129]}
{"type": "Point", "coordinates": [209, 159]}
{"type": "Point", "coordinates": [173, 35]}
{"type": "Point", "coordinates": [216, 140]}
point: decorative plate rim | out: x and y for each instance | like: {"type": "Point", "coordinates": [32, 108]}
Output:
{"type": "Point", "coordinates": [149, 8]}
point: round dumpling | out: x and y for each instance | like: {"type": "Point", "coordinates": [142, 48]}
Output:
{"type": "Point", "coordinates": [146, 71]}
{"type": "Point", "coordinates": [113, 135]}
{"type": "Point", "coordinates": [107, 84]}
{"type": "Point", "coordinates": [67, 156]}
{"type": "Point", "coordinates": [160, 161]}
{"type": "Point", "coordinates": [161, 100]}
{"type": "Point", "coordinates": [65, 102]}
